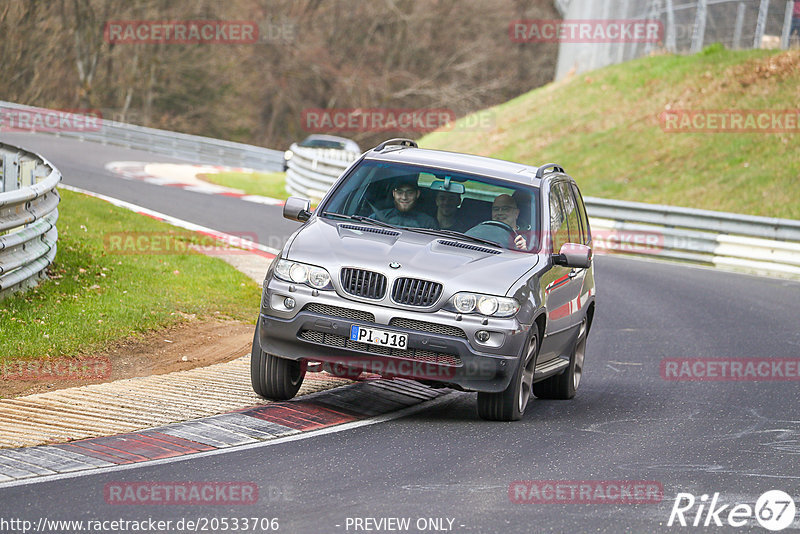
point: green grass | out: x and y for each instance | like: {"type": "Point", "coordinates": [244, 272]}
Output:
{"type": "Point", "coordinates": [97, 296]}
{"type": "Point", "coordinates": [271, 184]}
{"type": "Point", "coordinates": [603, 127]}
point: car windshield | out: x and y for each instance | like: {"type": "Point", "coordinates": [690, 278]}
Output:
{"type": "Point", "coordinates": [418, 197]}
{"type": "Point", "coordinates": [323, 143]}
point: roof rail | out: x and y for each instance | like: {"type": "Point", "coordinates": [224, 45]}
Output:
{"type": "Point", "coordinates": [555, 166]}
{"type": "Point", "coordinates": [396, 141]}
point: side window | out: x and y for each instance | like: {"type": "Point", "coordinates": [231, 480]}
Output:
{"type": "Point", "coordinates": [587, 236]}
{"type": "Point", "coordinates": [559, 231]}
{"type": "Point", "coordinates": [571, 213]}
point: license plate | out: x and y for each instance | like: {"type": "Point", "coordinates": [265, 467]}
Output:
{"type": "Point", "coordinates": [384, 338]}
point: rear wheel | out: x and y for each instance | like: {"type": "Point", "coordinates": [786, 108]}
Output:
{"type": "Point", "coordinates": [509, 405]}
{"type": "Point", "coordinates": [272, 377]}
{"type": "Point", "coordinates": [565, 385]}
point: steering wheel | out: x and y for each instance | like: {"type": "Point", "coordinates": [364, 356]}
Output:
{"type": "Point", "coordinates": [500, 224]}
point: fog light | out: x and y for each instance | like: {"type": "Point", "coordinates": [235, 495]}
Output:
{"type": "Point", "coordinates": [289, 303]}
{"type": "Point", "coordinates": [482, 336]}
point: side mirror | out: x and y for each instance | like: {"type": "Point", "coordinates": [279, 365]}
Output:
{"type": "Point", "coordinates": [297, 209]}
{"type": "Point", "coordinates": [574, 255]}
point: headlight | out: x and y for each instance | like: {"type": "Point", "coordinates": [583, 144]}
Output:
{"type": "Point", "coordinates": [301, 273]}
{"type": "Point", "coordinates": [464, 302]}
{"type": "Point", "coordinates": [318, 278]}
{"type": "Point", "coordinates": [288, 155]}
{"type": "Point", "coordinates": [488, 305]}
{"type": "Point", "coordinates": [298, 273]}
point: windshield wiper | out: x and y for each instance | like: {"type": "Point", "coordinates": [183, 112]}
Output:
{"type": "Point", "coordinates": [459, 235]}
{"type": "Point", "coordinates": [361, 218]}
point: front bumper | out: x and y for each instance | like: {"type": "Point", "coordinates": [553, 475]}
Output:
{"type": "Point", "coordinates": [438, 347]}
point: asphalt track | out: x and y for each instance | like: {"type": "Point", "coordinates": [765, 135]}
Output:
{"type": "Point", "coordinates": [82, 164]}
{"type": "Point", "coordinates": [737, 438]}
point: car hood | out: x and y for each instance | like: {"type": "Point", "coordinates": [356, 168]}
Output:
{"type": "Point", "coordinates": [336, 244]}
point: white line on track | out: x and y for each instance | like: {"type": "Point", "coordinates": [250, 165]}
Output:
{"type": "Point", "coordinates": [710, 268]}
{"type": "Point", "coordinates": [227, 238]}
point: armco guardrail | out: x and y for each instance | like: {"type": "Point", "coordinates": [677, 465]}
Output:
{"type": "Point", "coordinates": [183, 146]}
{"type": "Point", "coordinates": [28, 214]}
{"type": "Point", "coordinates": [312, 171]}
{"type": "Point", "coordinates": [757, 244]}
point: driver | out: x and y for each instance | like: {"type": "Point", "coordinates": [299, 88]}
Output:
{"type": "Point", "coordinates": [405, 193]}
{"type": "Point", "coordinates": [505, 210]}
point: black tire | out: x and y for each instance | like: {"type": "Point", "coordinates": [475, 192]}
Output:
{"type": "Point", "coordinates": [272, 377]}
{"type": "Point", "coordinates": [564, 386]}
{"type": "Point", "coordinates": [509, 405]}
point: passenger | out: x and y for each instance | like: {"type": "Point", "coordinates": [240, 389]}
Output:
{"type": "Point", "coordinates": [447, 204]}
{"type": "Point", "coordinates": [405, 193]}
{"type": "Point", "coordinates": [523, 201]}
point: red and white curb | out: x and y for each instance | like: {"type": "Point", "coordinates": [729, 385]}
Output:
{"type": "Point", "coordinates": [365, 402]}
{"type": "Point", "coordinates": [183, 176]}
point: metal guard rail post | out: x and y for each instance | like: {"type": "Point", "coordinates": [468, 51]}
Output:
{"type": "Point", "coordinates": [312, 171]}
{"type": "Point", "coordinates": [193, 148]}
{"type": "Point", "coordinates": [28, 215]}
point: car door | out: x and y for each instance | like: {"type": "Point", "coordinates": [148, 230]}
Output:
{"type": "Point", "coordinates": [576, 235]}
{"type": "Point", "coordinates": [587, 287]}
{"type": "Point", "coordinates": [561, 285]}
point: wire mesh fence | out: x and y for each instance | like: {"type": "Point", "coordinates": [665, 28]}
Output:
{"type": "Point", "coordinates": [684, 27]}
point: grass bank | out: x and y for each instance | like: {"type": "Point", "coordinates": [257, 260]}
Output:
{"type": "Point", "coordinates": [118, 274]}
{"type": "Point", "coordinates": [604, 128]}
{"type": "Point", "coordinates": [272, 184]}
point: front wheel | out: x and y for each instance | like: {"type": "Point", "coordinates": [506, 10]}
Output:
{"type": "Point", "coordinates": [509, 404]}
{"type": "Point", "coordinates": [565, 385]}
{"type": "Point", "coordinates": [272, 377]}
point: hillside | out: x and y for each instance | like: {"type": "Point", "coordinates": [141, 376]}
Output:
{"type": "Point", "coordinates": [604, 128]}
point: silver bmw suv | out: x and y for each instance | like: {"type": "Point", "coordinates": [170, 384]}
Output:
{"type": "Point", "coordinates": [455, 270]}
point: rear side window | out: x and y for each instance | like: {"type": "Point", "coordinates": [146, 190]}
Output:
{"type": "Point", "coordinates": [559, 229]}
{"type": "Point", "coordinates": [571, 212]}
{"type": "Point", "coordinates": [587, 236]}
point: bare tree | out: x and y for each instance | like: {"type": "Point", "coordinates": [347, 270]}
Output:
{"type": "Point", "coordinates": [453, 54]}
